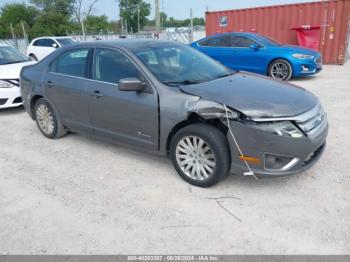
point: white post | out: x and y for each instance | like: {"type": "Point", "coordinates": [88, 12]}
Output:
{"type": "Point", "coordinates": [157, 16]}
{"type": "Point", "coordinates": [191, 26]}
{"type": "Point", "coordinates": [138, 19]}
{"type": "Point", "coordinates": [83, 29]}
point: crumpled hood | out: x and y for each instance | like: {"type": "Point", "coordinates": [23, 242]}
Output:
{"type": "Point", "coordinates": [255, 96]}
{"type": "Point", "coordinates": [12, 71]}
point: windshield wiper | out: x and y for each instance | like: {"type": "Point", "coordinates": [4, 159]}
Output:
{"type": "Point", "coordinates": [182, 82]}
{"type": "Point", "coordinates": [226, 75]}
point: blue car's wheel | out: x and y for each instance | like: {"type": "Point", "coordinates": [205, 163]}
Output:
{"type": "Point", "coordinates": [280, 69]}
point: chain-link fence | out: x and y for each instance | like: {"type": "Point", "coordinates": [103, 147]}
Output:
{"type": "Point", "coordinates": [95, 37]}
{"type": "Point", "coordinates": [181, 35]}
{"type": "Point", "coordinates": [21, 44]}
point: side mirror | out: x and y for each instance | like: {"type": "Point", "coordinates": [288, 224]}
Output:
{"type": "Point", "coordinates": [255, 47]}
{"type": "Point", "coordinates": [131, 84]}
{"type": "Point", "coordinates": [54, 45]}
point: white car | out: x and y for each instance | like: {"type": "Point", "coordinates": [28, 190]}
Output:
{"type": "Point", "coordinates": [11, 63]}
{"type": "Point", "coordinates": [41, 47]}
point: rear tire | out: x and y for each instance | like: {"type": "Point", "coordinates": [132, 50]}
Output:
{"type": "Point", "coordinates": [280, 69]}
{"type": "Point", "coordinates": [47, 120]}
{"type": "Point", "coordinates": [200, 154]}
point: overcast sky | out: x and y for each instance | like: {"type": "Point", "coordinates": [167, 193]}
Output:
{"type": "Point", "coordinates": [180, 8]}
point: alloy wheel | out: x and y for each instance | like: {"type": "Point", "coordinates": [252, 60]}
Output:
{"type": "Point", "coordinates": [195, 158]}
{"type": "Point", "coordinates": [45, 119]}
{"type": "Point", "coordinates": [280, 71]}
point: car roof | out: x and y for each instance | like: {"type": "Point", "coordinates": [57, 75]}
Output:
{"type": "Point", "coordinates": [130, 43]}
{"type": "Point", "coordinates": [237, 33]}
{"type": "Point", "coordinates": [51, 37]}
{"type": "Point", "coordinates": [1, 44]}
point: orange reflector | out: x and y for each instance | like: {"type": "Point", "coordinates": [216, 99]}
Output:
{"type": "Point", "coordinates": [253, 160]}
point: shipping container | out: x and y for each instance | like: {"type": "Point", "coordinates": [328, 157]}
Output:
{"type": "Point", "coordinates": [277, 22]}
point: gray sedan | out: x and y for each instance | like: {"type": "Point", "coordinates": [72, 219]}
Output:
{"type": "Point", "coordinates": [170, 99]}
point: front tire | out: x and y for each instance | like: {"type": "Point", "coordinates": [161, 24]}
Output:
{"type": "Point", "coordinates": [280, 69]}
{"type": "Point", "coordinates": [47, 120]}
{"type": "Point", "coordinates": [200, 154]}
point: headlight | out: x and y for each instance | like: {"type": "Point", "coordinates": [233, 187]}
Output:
{"type": "Point", "coordinates": [284, 128]}
{"type": "Point", "coordinates": [4, 84]}
{"type": "Point", "coordinates": [302, 56]}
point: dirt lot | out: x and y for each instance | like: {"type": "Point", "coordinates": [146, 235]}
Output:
{"type": "Point", "coordinates": [79, 196]}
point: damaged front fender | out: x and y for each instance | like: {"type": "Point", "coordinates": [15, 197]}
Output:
{"type": "Point", "coordinates": [212, 110]}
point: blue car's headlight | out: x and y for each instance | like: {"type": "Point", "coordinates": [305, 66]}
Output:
{"type": "Point", "coordinates": [284, 128]}
{"type": "Point", "coordinates": [303, 56]}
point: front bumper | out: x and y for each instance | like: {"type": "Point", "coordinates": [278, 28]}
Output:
{"type": "Point", "coordinates": [306, 67]}
{"type": "Point", "coordinates": [10, 97]}
{"type": "Point", "coordinates": [257, 144]}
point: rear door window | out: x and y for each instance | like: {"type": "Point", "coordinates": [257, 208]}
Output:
{"type": "Point", "coordinates": [40, 42]}
{"type": "Point", "coordinates": [44, 42]}
{"type": "Point", "coordinates": [241, 41]}
{"type": "Point", "coordinates": [49, 43]}
{"type": "Point", "coordinates": [71, 63]}
{"type": "Point", "coordinates": [220, 41]}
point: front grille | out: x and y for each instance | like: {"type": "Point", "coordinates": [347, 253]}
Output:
{"type": "Point", "coordinates": [3, 101]}
{"type": "Point", "coordinates": [315, 120]}
{"type": "Point", "coordinates": [17, 100]}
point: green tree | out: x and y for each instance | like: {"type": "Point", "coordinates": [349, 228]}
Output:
{"type": "Point", "coordinates": [64, 7]}
{"type": "Point", "coordinates": [163, 18]}
{"type": "Point", "coordinates": [51, 24]}
{"type": "Point", "coordinates": [198, 21]}
{"type": "Point", "coordinates": [134, 12]}
{"type": "Point", "coordinates": [54, 17]}
{"type": "Point", "coordinates": [14, 14]}
{"type": "Point", "coordinates": [96, 24]}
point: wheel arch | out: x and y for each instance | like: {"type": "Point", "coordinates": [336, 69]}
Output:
{"type": "Point", "coordinates": [33, 101]}
{"type": "Point", "coordinates": [279, 58]}
{"type": "Point", "coordinates": [194, 118]}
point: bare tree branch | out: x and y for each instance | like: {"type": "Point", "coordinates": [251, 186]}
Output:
{"type": "Point", "coordinates": [91, 7]}
{"type": "Point", "coordinates": [79, 13]}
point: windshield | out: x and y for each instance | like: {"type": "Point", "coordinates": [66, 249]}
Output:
{"type": "Point", "coordinates": [66, 41]}
{"type": "Point", "coordinates": [176, 65]}
{"type": "Point", "coordinates": [10, 55]}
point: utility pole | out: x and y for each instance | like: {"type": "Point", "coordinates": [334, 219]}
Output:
{"type": "Point", "coordinates": [157, 16]}
{"type": "Point", "coordinates": [191, 26]}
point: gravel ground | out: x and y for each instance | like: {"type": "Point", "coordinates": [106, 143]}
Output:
{"type": "Point", "coordinates": [80, 196]}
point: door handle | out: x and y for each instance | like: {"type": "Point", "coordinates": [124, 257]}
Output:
{"type": "Point", "coordinates": [97, 94]}
{"type": "Point", "coordinates": [49, 84]}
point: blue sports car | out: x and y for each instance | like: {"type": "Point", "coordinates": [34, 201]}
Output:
{"type": "Point", "coordinates": [259, 54]}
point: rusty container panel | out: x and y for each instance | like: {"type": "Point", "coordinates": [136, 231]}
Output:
{"type": "Point", "coordinates": [277, 22]}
